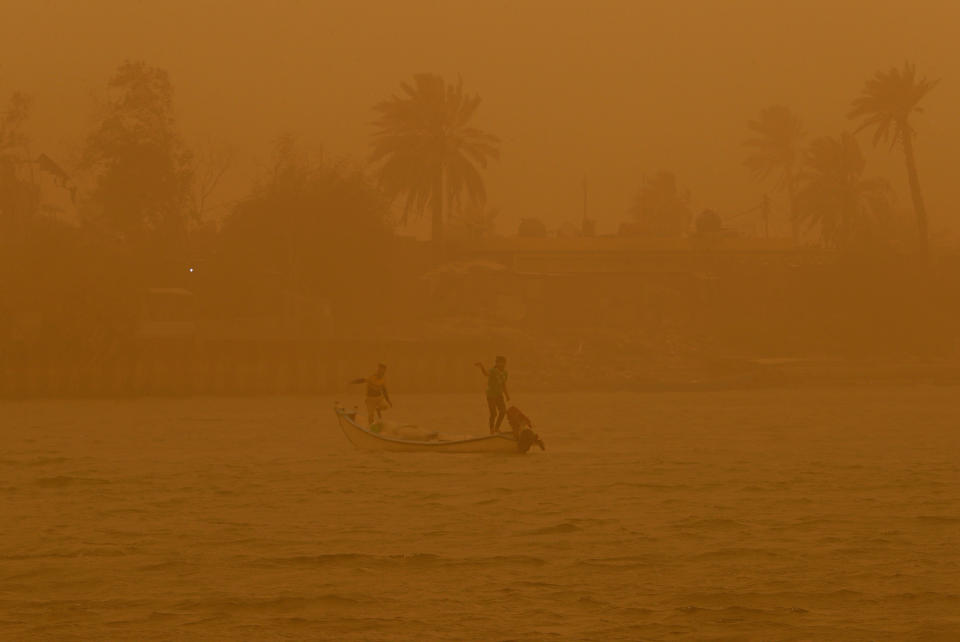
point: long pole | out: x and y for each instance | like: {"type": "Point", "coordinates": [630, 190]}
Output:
{"type": "Point", "coordinates": [583, 226]}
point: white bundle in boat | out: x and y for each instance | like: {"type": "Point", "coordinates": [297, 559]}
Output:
{"type": "Point", "coordinates": [407, 432]}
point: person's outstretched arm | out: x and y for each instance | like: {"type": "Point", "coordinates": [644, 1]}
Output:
{"type": "Point", "coordinates": [360, 380]}
{"type": "Point", "coordinates": [482, 369]}
{"type": "Point", "coordinates": [386, 395]}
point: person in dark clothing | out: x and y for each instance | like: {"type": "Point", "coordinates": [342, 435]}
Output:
{"type": "Point", "coordinates": [497, 394]}
{"type": "Point", "coordinates": [523, 430]}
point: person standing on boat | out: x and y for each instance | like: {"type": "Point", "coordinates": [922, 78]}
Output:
{"type": "Point", "coordinates": [497, 394]}
{"type": "Point", "coordinates": [378, 399]}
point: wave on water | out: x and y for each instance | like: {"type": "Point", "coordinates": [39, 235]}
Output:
{"type": "Point", "coordinates": [562, 528]}
{"type": "Point", "coordinates": [710, 524]}
{"type": "Point", "coordinates": [623, 562]}
{"type": "Point", "coordinates": [226, 532]}
{"type": "Point", "coordinates": [63, 481]}
{"type": "Point", "coordinates": [227, 604]}
{"type": "Point", "coordinates": [37, 461]}
{"type": "Point", "coordinates": [100, 551]}
{"type": "Point", "coordinates": [739, 552]}
{"type": "Point", "coordinates": [415, 560]}
{"type": "Point", "coordinates": [939, 520]}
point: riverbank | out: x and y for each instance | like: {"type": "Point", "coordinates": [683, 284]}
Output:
{"type": "Point", "coordinates": [265, 369]}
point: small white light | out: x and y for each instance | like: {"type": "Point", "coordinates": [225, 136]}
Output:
{"type": "Point", "coordinates": [191, 269]}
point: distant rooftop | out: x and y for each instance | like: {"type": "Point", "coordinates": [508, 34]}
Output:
{"type": "Point", "coordinates": [627, 244]}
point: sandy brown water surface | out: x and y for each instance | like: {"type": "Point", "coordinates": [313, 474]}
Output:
{"type": "Point", "coordinates": [761, 515]}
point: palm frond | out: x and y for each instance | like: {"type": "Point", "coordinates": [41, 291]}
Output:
{"type": "Point", "coordinates": [888, 100]}
{"type": "Point", "coordinates": [775, 144]}
{"type": "Point", "coordinates": [424, 133]}
{"type": "Point", "coordinates": [834, 195]}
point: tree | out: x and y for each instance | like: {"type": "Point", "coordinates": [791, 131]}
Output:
{"type": "Point", "coordinates": [299, 231]}
{"type": "Point", "coordinates": [708, 226]}
{"type": "Point", "coordinates": [532, 228]}
{"type": "Point", "coordinates": [661, 209]}
{"type": "Point", "coordinates": [835, 196]}
{"type": "Point", "coordinates": [11, 122]}
{"type": "Point", "coordinates": [886, 103]}
{"type": "Point", "coordinates": [428, 151]}
{"type": "Point", "coordinates": [142, 170]}
{"type": "Point", "coordinates": [19, 196]}
{"type": "Point", "coordinates": [212, 160]}
{"type": "Point", "coordinates": [776, 144]}
{"type": "Point", "coordinates": [69, 293]}
{"type": "Point", "coordinates": [474, 221]}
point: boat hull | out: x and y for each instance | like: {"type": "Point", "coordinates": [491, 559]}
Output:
{"type": "Point", "coordinates": [364, 439]}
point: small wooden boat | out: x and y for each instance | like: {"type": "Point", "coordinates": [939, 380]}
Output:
{"type": "Point", "coordinates": [365, 439]}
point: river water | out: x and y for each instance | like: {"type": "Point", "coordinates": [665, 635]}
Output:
{"type": "Point", "coordinates": [815, 514]}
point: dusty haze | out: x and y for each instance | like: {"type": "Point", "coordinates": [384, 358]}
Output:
{"type": "Point", "coordinates": [730, 321]}
{"type": "Point", "coordinates": [611, 90]}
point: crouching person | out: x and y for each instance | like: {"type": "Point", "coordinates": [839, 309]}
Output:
{"type": "Point", "coordinates": [522, 429]}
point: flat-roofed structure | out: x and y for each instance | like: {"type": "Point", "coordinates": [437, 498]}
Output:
{"type": "Point", "coordinates": [585, 255]}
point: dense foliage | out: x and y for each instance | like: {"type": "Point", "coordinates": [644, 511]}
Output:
{"type": "Point", "coordinates": [661, 207]}
{"type": "Point", "coordinates": [850, 210]}
{"type": "Point", "coordinates": [311, 228]}
{"type": "Point", "coordinates": [141, 168]}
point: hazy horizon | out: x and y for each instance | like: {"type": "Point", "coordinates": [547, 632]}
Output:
{"type": "Point", "coordinates": [675, 424]}
{"type": "Point", "coordinates": [609, 90]}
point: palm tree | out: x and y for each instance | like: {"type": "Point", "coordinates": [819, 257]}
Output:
{"type": "Point", "coordinates": [427, 149]}
{"type": "Point", "coordinates": [776, 143]}
{"type": "Point", "coordinates": [886, 103]}
{"type": "Point", "coordinates": [836, 197]}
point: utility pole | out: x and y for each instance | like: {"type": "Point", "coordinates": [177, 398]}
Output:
{"type": "Point", "coordinates": [586, 229]}
{"type": "Point", "coordinates": [584, 200]}
{"type": "Point", "coordinates": [765, 209]}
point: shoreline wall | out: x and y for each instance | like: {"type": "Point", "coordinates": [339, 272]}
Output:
{"type": "Point", "coordinates": [184, 368]}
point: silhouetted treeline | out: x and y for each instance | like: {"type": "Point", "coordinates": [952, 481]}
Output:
{"type": "Point", "coordinates": [824, 182]}
{"type": "Point", "coordinates": [310, 253]}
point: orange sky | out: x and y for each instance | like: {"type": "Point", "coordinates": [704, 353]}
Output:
{"type": "Point", "coordinates": [608, 89]}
